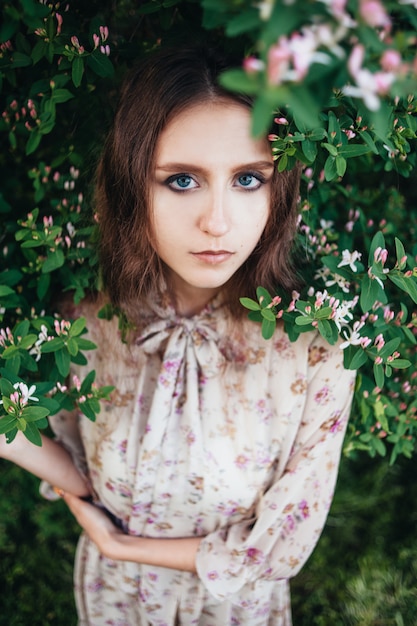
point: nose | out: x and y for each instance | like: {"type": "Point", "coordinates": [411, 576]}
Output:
{"type": "Point", "coordinates": [214, 217]}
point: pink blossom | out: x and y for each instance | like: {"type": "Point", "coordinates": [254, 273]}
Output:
{"type": "Point", "coordinates": [104, 32]}
{"type": "Point", "coordinates": [96, 41]}
{"type": "Point", "coordinates": [379, 342]}
{"type": "Point", "coordinates": [59, 25]}
{"type": "Point", "coordinates": [380, 255]}
{"type": "Point", "coordinates": [252, 64]}
{"type": "Point", "coordinates": [373, 13]}
{"type": "Point", "coordinates": [281, 121]}
{"type": "Point", "coordinates": [279, 57]}
{"type": "Point", "coordinates": [391, 60]}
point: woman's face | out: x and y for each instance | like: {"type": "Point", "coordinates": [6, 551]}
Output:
{"type": "Point", "coordinates": [210, 198]}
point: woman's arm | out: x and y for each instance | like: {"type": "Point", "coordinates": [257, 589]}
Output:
{"type": "Point", "coordinates": [50, 462]}
{"type": "Point", "coordinates": [114, 544]}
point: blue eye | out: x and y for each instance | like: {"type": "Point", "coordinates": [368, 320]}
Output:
{"type": "Point", "coordinates": [249, 181]}
{"type": "Point", "coordinates": [181, 182]}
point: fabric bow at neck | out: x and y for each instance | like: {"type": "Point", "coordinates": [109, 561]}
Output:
{"type": "Point", "coordinates": [174, 337]}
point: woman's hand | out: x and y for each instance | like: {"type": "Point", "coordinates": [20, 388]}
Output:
{"type": "Point", "coordinates": [95, 523]}
{"type": "Point", "coordinates": [115, 544]}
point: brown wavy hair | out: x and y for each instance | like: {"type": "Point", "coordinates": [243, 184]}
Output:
{"type": "Point", "coordinates": [163, 85]}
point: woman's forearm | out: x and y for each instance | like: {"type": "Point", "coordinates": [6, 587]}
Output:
{"type": "Point", "coordinates": [50, 462]}
{"type": "Point", "coordinates": [177, 554]}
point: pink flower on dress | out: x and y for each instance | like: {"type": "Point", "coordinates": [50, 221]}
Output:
{"type": "Point", "coordinates": [289, 524]}
{"type": "Point", "coordinates": [304, 509]}
{"type": "Point", "coordinates": [254, 555]}
{"type": "Point", "coordinates": [322, 395]}
{"type": "Point", "coordinates": [213, 575]}
{"type": "Point", "coordinates": [241, 461]}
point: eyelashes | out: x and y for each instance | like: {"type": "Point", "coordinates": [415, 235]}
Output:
{"type": "Point", "coordinates": [247, 181]}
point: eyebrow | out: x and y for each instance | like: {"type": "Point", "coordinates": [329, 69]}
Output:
{"type": "Point", "coordinates": [187, 167]}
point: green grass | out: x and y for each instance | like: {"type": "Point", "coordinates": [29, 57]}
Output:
{"type": "Point", "coordinates": [363, 572]}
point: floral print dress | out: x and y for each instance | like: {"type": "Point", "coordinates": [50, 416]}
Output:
{"type": "Point", "coordinates": [213, 432]}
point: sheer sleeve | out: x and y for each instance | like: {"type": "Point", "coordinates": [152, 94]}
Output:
{"type": "Point", "coordinates": [291, 514]}
{"type": "Point", "coordinates": [65, 427]}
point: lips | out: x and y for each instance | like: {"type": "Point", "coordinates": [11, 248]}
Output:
{"type": "Point", "coordinates": [212, 257]}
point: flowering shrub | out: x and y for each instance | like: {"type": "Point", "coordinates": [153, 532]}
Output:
{"type": "Point", "coordinates": [339, 77]}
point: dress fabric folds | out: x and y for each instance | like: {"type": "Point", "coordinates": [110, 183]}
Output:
{"type": "Point", "coordinates": [211, 431]}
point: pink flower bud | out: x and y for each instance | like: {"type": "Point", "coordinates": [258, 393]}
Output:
{"type": "Point", "coordinates": [281, 121]}
{"type": "Point", "coordinates": [252, 65]}
{"type": "Point", "coordinates": [104, 32]}
{"type": "Point", "coordinates": [59, 25]}
{"type": "Point", "coordinates": [373, 13]}
{"type": "Point", "coordinates": [391, 60]}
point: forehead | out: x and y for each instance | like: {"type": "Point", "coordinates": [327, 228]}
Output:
{"type": "Point", "coordinates": [216, 132]}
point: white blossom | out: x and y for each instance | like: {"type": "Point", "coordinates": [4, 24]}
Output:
{"type": "Point", "coordinates": [350, 258]}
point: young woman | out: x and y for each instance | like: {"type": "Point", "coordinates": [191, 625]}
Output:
{"type": "Point", "coordinates": [213, 467]}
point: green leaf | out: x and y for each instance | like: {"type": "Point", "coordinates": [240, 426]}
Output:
{"type": "Point", "coordinates": [87, 410]}
{"type": "Point", "coordinates": [52, 346]}
{"type": "Point", "coordinates": [72, 346]}
{"type": "Point", "coordinates": [85, 344]}
{"type": "Point", "coordinates": [323, 313]}
{"type": "Point", "coordinates": [405, 283]}
{"type": "Point", "coordinates": [302, 320]}
{"type": "Point", "coordinates": [242, 23]}
{"type": "Point", "coordinates": [5, 291]}
{"type": "Point", "coordinates": [6, 387]}
{"type": "Point", "coordinates": [309, 149]}
{"type": "Point", "coordinates": [9, 352]}
{"type": "Point", "coordinates": [7, 423]}
{"type": "Point", "coordinates": [379, 375]}
{"type": "Point", "coordinates": [400, 252]}
{"type": "Point", "coordinates": [369, 141]}
{"type": "Point", "coordinates": [100, 64]}
{"type": "Point", "coordinates": [268, 328]}
{"type": "Point", "coordinates": [371, 291]}
{"type": "Point", "coordinates": [87, 382]}
{"type": "Point", "coordinates": [263, 296]}
{"type": "Point", "coordinates": [53, 261]}
{"type": "Point", "coordinates": [240, 81]}
{"type": "Point", "coordinates": [31, 433]}
{"type": "Point", "coordinates": [44, 281]}
{"type": "Point", "coordinates": [77, 71]}
{"type": "Point", "coordinates": [400, 364]}
{"type": "Point", "coordinates": [21, 60]}
{"type": "Point", "coordinates": [328, 330]}
{"type": "Point", "coordinates": [77, 327]}
{"type": "Point", "coordinates": [268, 315]}
{"type": "Point", "coordinates": [330, 148]}
{"type": "Point", "coordinates": [330, 172]}
{"type": "Point", "coordinates": [359, 358]}
{"type": "Point", "coordinates": [28, 341]}
{"type": "Point", "coordinates": [61, 95]}
{"type": "Point", "coordinates": [63, 362]}
{"type": "Point", "coordinates": [33, 141]}
{"type": "Point", "coordinates": [34, 413]}
{"type": "Point", "coordinates": [353, 150]}
{"type": "Point", "coordinates": [250, 304]}
{"type": "Point", "coordinates": [340, 165]}
{"type": "Point", "coordinates": [390, 347]}
{"type": "Point", "coordinates": [39, 51]}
